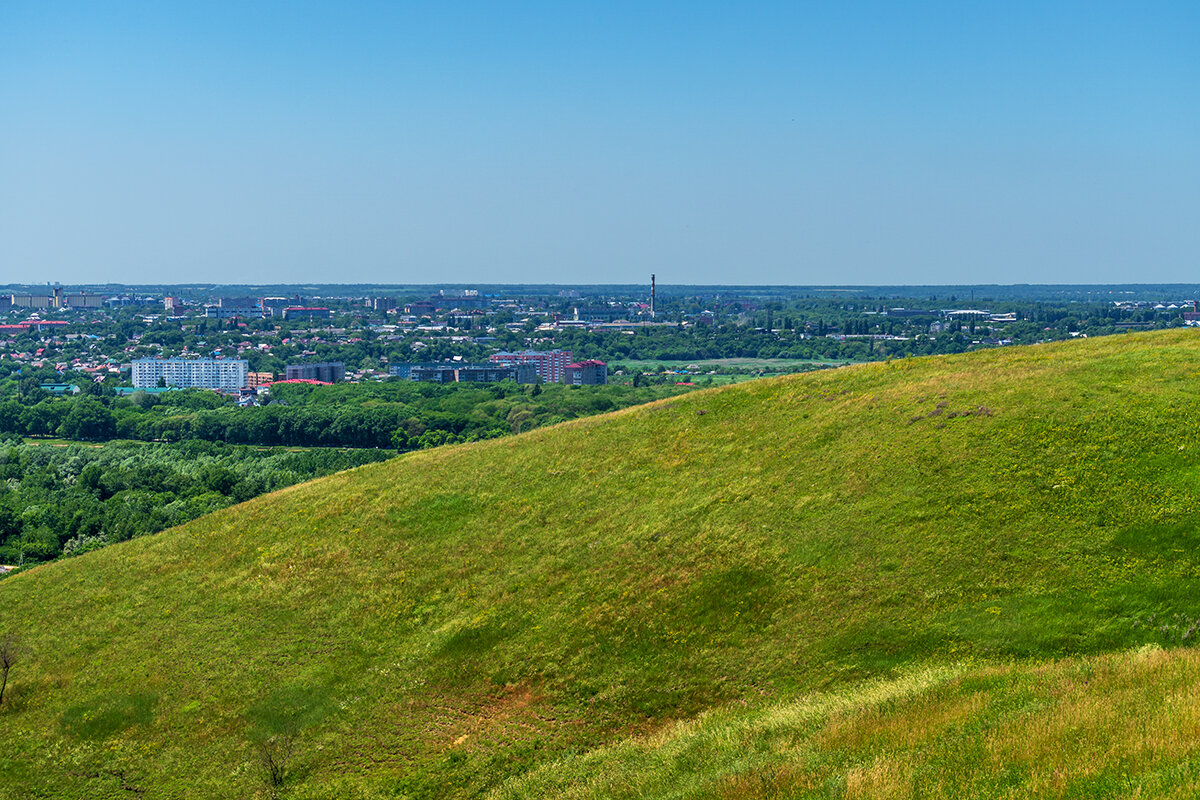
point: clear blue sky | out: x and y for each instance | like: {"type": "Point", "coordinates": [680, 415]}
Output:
{"type": "Point", "coordinates": [578, 142]}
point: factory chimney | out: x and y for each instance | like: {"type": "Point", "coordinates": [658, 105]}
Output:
{"type": "Point", "coordinates": [651, 295]}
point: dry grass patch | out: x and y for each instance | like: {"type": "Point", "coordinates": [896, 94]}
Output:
{"type": "Point", "coordinates": [880, 780]}
{"type": "Point", "coordinates": [1114, 726]}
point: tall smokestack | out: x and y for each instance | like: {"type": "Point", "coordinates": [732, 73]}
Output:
{"type": "Point", "coordinates": [652, 295]}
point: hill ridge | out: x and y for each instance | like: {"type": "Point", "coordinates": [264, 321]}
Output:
{"type": "Point", "coordinates": [450, 621]}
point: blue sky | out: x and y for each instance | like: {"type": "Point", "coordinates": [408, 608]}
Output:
{"type": "Point", "coordinates": [783, 143]}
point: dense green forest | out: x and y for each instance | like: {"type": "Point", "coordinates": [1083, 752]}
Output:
{"type": "Point", "coordinates": [396, 414]}
{"type": "Point", "coordinates": [69, 500]}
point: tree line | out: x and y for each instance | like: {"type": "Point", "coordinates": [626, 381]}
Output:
{"type": "Point", "coordinates": [400, 415]}
{"type": "Point", "coordinates": [63, 501]}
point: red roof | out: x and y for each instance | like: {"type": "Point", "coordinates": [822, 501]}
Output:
{"type": "Point", "coordinates": [302, 380]}
{"type": "Point", "coordinates": [29, 323]}
{"type": "Point", "coordinates": [589, 363]}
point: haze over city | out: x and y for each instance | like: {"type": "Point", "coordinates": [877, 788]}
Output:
{"type": "Point", "coordinates": [770, 143]}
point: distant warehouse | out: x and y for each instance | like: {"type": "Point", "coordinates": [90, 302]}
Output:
{"type": "Point", "coordinates": [201, 373]}
{"type": "Point", "coordinates": [56, 298]}
{"type": "Point", "coordinates": [465, 373]}
{"type": "Point", "coordinates": [307, 312]}
{"type": "Point", "coordinates": [494, 373]}
{"type": "Point", "coordinates": [326, 372]}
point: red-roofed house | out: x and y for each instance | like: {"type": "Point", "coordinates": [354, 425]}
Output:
{"type": "Point", "coordinates": [309, 381]}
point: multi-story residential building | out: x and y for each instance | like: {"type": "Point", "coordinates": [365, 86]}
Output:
{"type": "Point", "coordinates": [432, 373]}
{"type": "Point", "coordinates": [463, 300]}
{"type": "Point", "coordinates": [586, 373]}
{"type": "Point", "coordinates": [403, 371]}
{"type": "Point", "coordinates": [222, 312]}
{"type": "Point", "coordinates": [203, 373]}
{"type": "Point", "coordinates": [421, 308]}
{"type": "Point", "coordinates": [326, 372]}
{"type": "Point", "coordinates": [550, 364]}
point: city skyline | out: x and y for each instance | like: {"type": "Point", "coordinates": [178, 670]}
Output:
{"type": "Point", "coordinates": [834, 144]}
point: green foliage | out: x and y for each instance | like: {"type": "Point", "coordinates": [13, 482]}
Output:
{"type": "Point", "coordinates": [288, 710]}
{"type": "Point", "coordinates": [397, 414]}
{"type": "Point", "coordinates": [108, 716]}
{"type": "Point", "coordinates": [88, 420]}
{"type": "Point", "coordinates": [75, 499]}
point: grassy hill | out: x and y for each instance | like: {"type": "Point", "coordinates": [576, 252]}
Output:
{"type": "Point", "coordinates": [965, 576]}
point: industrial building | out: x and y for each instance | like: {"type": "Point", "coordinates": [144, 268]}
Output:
{"type": "Point", "coordinates": [56, 298]}
{"type": "Point", "coordinates": [307, 312]}
{"type": "Point", "coordinates": [226, 374]}
{"type": "Point", "coordinates": [239, 302]}
{"type": "Point", "coordinates": [465, 373]}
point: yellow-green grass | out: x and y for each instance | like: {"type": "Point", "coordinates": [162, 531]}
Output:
{"type": "Point", "coordinates": [1105, 726]}
{"type": "Point", "coordinates": [697, 380]}
{"type": "Point", "coordinates": [919, 539]}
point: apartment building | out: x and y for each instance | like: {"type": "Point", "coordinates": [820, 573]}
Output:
{"type": "Point", "coordinates": [551, 365]}
{"type": "Point", "coordinates": [226, 374]}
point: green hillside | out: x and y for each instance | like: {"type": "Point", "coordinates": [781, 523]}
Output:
{"type": "Point", "coordinates": [969, 576]}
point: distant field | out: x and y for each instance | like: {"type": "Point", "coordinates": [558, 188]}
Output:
{"type": "Point", "coordinates": [748, 368]}
{"type": "Point", "coordinates": [702, 380]}
{"type": "Point", "coordinates": [741, 363]}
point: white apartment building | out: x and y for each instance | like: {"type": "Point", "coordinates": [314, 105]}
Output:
{"type": "Point", "coordinates": [202, 373]}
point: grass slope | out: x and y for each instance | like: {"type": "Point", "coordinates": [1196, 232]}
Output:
{"type": "Point", "coordinates": [896, 575]}
{"type": "Point", "coordinates": [1106, 726]}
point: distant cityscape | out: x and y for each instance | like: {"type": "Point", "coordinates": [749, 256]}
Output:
{"type": "Point", "coordinates": [242, 340]}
